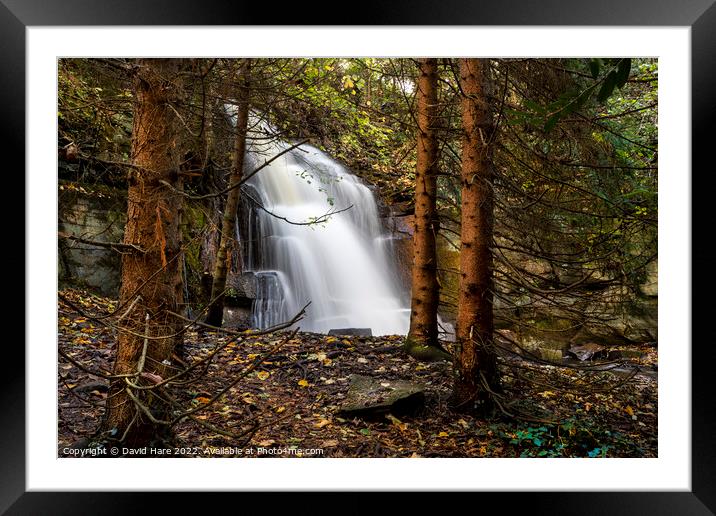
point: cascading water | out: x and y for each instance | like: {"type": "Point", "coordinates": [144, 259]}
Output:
{"type": "Point", "coordinates": [342, 265]}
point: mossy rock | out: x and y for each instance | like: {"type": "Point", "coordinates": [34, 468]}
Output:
{"type": "Point", "coordinates": [370, 397]}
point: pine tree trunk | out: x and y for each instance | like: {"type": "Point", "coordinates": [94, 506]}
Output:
{"type": "Point", "coordinates": [223, 256]}
{"type": "Point", "coordinates": [476, 369]}
{"type": "Point", "coordinates": [425, 294]}
{"type": "Point", "coordinates": [151, 280]}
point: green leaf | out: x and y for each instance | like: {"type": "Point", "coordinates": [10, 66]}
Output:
{"type": "Point", "coordinates": [608, 86]}
{"type": "Point", "coordinates": [623, 72]}
{"type": "Point", "coordinates": [552, 121]}
{"type": "Point", "coordinates": [594, 68]}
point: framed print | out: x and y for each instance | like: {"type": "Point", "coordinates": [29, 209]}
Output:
{"type": "Point", "coordinates": [656, 457]}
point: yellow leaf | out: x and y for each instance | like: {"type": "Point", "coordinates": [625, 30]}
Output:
{"type": "Point", "coordinates": [322, 423]}
{"type": "Point", "coordinates": [280, 409]}
{"type": "Point", "coordinates": [262, 375]}
{"type": "Point", "coordinates": [397, 422]}
{"type": "Point", "coordinates": [331, 340]}
{"type": "Point", "coordinates": [443, 434]}
{"type": "Point", "coordinates": [629, 410]}
{"type": "Point", "coordinates": [546, 394]}
{"type": "Point", "coordinates": [303, 383]}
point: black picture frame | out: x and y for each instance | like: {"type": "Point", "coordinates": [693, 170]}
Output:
{"type": "Point", "coordinates": [700, 15]}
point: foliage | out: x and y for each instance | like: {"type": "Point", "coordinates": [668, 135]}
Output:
{"type": "Point", "coordinates": [571, 438]}
{"type": "Point", "coordinates": [93, 111]}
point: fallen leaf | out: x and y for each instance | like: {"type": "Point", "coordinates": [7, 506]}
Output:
{"type": "Point", "coordinates": [330, 443]}
{"type": "Point", "coordinates": [280, 409]}
{"type": "Point", "coordinates": [303, 383]}
{"type": "Point", "coordinates": [397, 422]}
{"type": "Point", "coordinates": [203, 399]}
{"type": "Point", "coordinates": [322, 423]}
{"type": "Point", "coordinates": [263, 375]}
{"type": "Point", "coordinates": [443, 434]}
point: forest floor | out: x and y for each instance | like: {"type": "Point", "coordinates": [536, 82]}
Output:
{"type": "Point", "coordinates": [289, 403]}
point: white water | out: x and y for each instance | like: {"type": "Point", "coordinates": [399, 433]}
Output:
{"type": "Point", "coordinates": [344, 266]}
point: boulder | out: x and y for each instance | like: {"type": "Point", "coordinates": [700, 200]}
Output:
{"type": "Point", "coordinates": [375, 397]}
{"type": "Point", "coordinates": [241, 290]}
{"type": "Point", "coordinates": [353, 332]}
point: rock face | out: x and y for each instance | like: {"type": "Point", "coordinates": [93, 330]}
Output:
{"type": "Point", "coordinates": [371, 397]}
{"type": "Point", "coordinates": [239, 300]}
{"type": "Point", "coordinates": [91, 215]}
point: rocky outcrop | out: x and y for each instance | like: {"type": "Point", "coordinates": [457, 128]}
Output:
{"type": "Point", "coordinates": [94, 214]}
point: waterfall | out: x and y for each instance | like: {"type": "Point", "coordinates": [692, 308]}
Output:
{"type": "Point", "coordinates": [343, 264]}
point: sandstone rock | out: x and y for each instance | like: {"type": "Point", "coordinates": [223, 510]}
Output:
{"type": "Point", "coordinates": [375, 397]}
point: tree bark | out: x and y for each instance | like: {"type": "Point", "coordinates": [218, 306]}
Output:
{"type": "Point", "coordinates": [425, 293]}
{"type": "Point", "coordinates": [215, 315]}
{"type": "Point", "coordinates": [476, 367]}
{"type": "Point", "coordinates": [151, 280]}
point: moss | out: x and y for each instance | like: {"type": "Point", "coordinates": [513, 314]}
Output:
{"type": "Point", "coordinates": [423, 352]}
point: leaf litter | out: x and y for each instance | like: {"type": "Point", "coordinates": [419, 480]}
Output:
{"type": "Point", "coordinates": [295, 395]}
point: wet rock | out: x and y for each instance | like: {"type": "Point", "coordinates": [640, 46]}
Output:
{"type": "Point", "coordinates": [238, 318]}
{"type": "Point", "coordinates": [241, 291]}
{"type": "Point", "coordinates": [587, 351]}
{"type": "Point", "coordinates": [353, 332]}
{"type": "Point", "coordinates": [551, 355]}
{"type": "Point", "coordinates": [375, 397]}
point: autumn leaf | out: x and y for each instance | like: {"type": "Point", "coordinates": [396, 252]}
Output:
{"type": "Point", "coordinates": [203, 399]}
{"type": "Point", "coordinates": [443, 434]}
{"type": "Point", "coordinates": [303, 383]}
{"type": "Point", "coordinates": [397, 422]}
{"type": "Point", "coordinates": [629, 410]}
{"type": "Point", "coordinates": [322, 423]}
{"type": "Point", "coordinates": [263, 375]}
{"type": "Point", "coordinates": [280, 409]}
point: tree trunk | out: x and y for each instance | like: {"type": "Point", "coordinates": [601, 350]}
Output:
{"type": "Point", "coordinates": [151, 280]}
{"type": "Point", "coordinates": [223, 256]}
{"type": "Point", "coordinates": [425, 294]}
{"type": "Point", "coordinates": [476, 368]}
